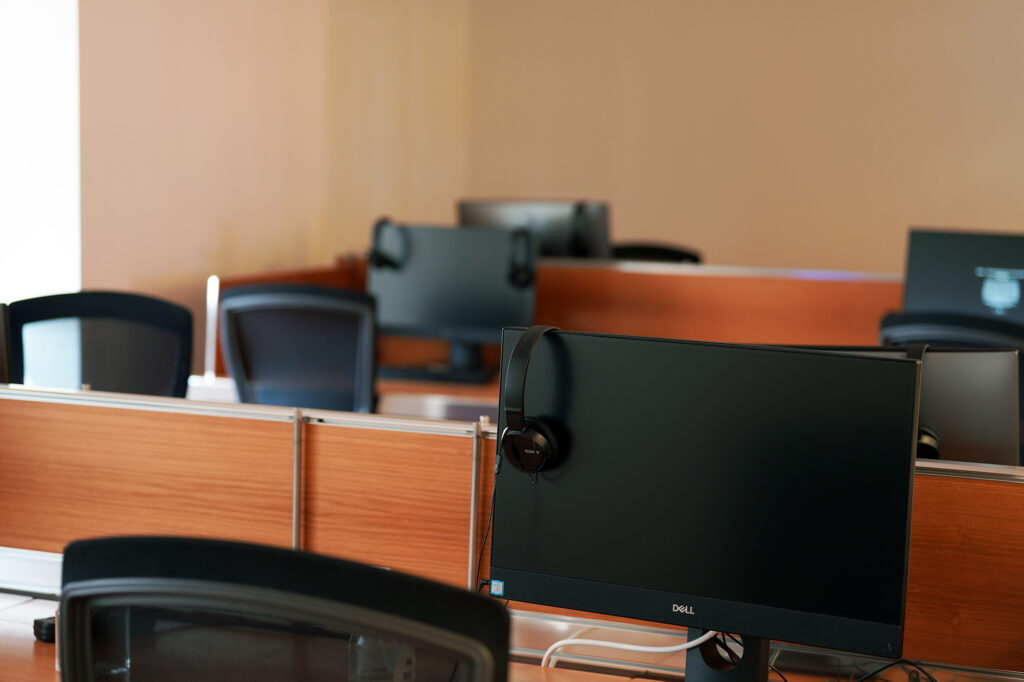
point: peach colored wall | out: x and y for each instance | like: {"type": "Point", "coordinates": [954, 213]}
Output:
{"type": "Point", "coordinates": [233, 136]}
{"type": "Point", "coordinates": [794, 133]}
{"type": "Point", "coordinates": [236, 136]}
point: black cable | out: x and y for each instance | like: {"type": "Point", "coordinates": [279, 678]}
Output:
{"type": "Point", "coordinates": [722, 643]}
{"type": "Point", "coordinates": [900, 662]}
{"type": "Point", "coordinates": [777, 672]}
{"type": "Point", "coordinates": [483, 542]}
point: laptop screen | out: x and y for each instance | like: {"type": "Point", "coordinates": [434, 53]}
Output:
{"type": "Point", "coordinates": [969, 273]}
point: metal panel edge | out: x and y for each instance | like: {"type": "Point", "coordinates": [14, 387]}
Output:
{"type": "Point", "coordinates": [131, 401]}
{"type": "Point", "coordinates": [984, 472]}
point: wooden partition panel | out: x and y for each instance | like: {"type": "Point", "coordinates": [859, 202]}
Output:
{"type": "Point", "coordinates": [965, 596]}
{"type": "Point", "coordinates": [716, 304]}
{"type": "Point", "coordinates": [389, 498]}
{"type": "Point", "coordinates": [701, 302]}
{"type": "Point", "coordinates": [81, 470]}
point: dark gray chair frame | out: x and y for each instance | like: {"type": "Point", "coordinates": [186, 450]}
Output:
{"type": "Point", "coordinates": [272, 582]}
{"type": "Point", "coordinates": [344, 302]}
{"type": "Point", "coordinates": [5, 346]}
{"type": "Point", "coordinates": [148, 310]}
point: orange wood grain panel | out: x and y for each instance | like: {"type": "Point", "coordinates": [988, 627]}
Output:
{"type": "Point", "coordinates": [400, 500]}
{"type": "Point", "coordinates": [965, 596]}
{"type": "Point", "coordinates": [73, 471]}
{"type": "Point", "coordinates": [487, 391]}
{"type": "Point", "coordinates": [724, 308]}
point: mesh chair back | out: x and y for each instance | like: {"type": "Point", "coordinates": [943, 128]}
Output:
{"type": "Point", "coordinates": [300, 345]}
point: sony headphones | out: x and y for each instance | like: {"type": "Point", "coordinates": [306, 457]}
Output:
{"type": "Point", "coordinates": [520, 266]}
{"type": "Point", "coordinates": [527, 444]}
{"type": "Point", "coordinates": [379, 259]}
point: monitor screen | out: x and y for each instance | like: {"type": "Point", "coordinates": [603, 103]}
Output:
{"type": "Point", "coordinates": [970, 273]}
{"type": "Point", "coordinates": [459, 285]}
{"type": "Point", "coordinates": [576, 229]}
{"type": "Point", "coordinates": [969, 397]}
{"type": "Point", "coordinates": [759, 491]}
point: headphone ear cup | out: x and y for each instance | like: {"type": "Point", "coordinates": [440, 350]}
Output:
{"type": "Point", "coordinates": [520, 276]}
{"type": "Point", "coordinates": [531, 450]}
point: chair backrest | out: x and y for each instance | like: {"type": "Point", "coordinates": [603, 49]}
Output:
{"type": "Point", "coordinates": [187, 609]}
{"type": "Point", "coordinates": [655, 252]}
{"type": "Point", "coordinates": [956, 330]}
{"type": "Point", "coordinates": [105, 340]}
{"type": "Point", "coordinates": [5, 346]}
{"type": "Point", "coordinates": [299, 345]}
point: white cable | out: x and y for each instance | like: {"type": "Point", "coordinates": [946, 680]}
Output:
{"type": "Point", "coordinates": [628, 647]}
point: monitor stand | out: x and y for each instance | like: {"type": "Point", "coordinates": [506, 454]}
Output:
{"type": "Point", "coordinates": [465, 365]}
{"type": "Point", "coordinates": [707, 664]}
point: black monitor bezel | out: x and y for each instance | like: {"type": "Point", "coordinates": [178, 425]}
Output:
{"type": "Point", "coordinates": [758, 620]}
{"type": "Point", "coordinates": [585, 235]}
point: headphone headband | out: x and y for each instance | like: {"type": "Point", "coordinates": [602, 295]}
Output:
{"type": "Point", "coordinates": [515, 377]}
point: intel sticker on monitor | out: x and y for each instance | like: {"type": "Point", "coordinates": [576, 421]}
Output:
{"type": "Point", "coordinates": [497, 588]}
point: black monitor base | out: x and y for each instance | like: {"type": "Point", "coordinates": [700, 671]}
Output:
{"type": "Point", "coordinates": [707, 664]}
{"type": "Point", "coordinates": [462, 375]}
{"type": "Point", "coordinates": [464, 366]}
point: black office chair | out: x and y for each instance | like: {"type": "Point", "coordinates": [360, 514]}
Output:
{"type": "Point", "coordinates": [955, 330]}
{"type": "Point", "coordinates": [655, 252]}
{"type": "Point", "coordinates": [5, 346]}
{"type": "Point", "coordinates": [160, 609]}
{"type": "Point", "coordinates": [300, 345]}
{"type": "Point", "coordinates": [105, 340]}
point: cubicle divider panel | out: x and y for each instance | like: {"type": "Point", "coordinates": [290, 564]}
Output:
{"type": "Point", "coordinates": [965, 596]}
{"type": "Point", "coordinates": [74, 469]}
{"type": "Point", "coordinates": [396, 496]}
{"type": "Point", "coordinates": [702, 302]}
{"type": "Point", "coordinates": [708, 303]}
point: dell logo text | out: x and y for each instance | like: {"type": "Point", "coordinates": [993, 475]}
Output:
{"type": "Point", "coordinates": [682, 608]}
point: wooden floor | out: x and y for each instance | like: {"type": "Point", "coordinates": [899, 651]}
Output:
{"type": "Point", "coordinates": [22, 658]}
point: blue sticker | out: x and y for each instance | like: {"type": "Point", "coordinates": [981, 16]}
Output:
{"type": "Point", "coordinates": [497, 588]}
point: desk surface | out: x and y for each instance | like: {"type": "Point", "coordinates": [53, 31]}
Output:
{"type": "Point", "coordinates": [429, 400]}
{"type": "Point", "coordinates": [23, 659]}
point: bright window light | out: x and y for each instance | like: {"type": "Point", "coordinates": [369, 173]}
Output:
{"type": "Point", "coordinates": [40, 186]}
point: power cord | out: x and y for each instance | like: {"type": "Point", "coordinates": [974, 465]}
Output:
{"type": "Point", "coordinates": [898, 662]}
{"type": "Point", "coordinates": [487, 532]}
{"type": "Point", "coordinates": [623, 646]}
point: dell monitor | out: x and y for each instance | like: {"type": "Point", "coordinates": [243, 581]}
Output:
{"type": "Point", "coordinates": [969, 402]}
{"type": "Point", "coordinates": [566, 229]}
{"type": "Point", "coordinates": [764, 492]}
{"type": "Point", "coordinates": [969, 273]}
{"type": "Point", "coordinates": [461, 286]}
